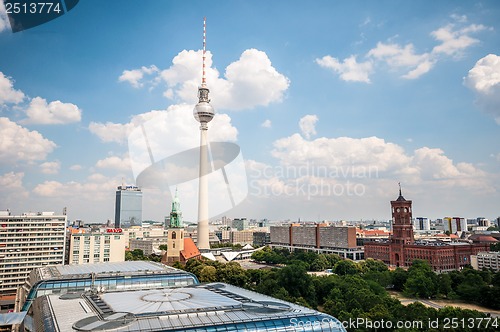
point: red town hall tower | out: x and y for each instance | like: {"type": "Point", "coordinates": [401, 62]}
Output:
{"type": "Point", "coordinates": [402, 229]}
{"type": "Point", "coordinates": [401, 249]}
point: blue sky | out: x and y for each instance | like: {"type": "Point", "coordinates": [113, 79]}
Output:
{"type": "Point", "coordinates": [332, 103]}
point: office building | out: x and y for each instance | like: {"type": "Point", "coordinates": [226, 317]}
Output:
{"type": "Point", "coordinates": [321, 238]}
{"type": "Point", "coordinates": [27, 241]}
{"type": "Point", "coordinates": [128, 206]}
{"type": "Point", "coordinates": [401, 249]}
{"type": "Point", "coordinates": [97, 247]}
{"type": "Point", "coordinates": [240, 224]}
{"type": "Point", "coordinates": [143, 296]}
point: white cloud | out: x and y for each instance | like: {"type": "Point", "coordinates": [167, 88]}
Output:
{"type": "Point", "coordinates": [96, 188]}
{"type": "Point", "coordinates": [266, 124]}
{"type": "Point", "coordinates": [405, 58]}
{"type": "Point", "coordinates": [75, 167]}
{"type": "Point", "coordinates": [484, 80]}
{"type": "Point", "coordinates": [50, 167]}
{"type": "Point", "coordinates": [55, 112]}
{"type": "Point", "coordinates": [11, 181]}
{"type": "Point", "coordinates": [4, 20]}
{"type": "Point", "coordinates": [114, 163]}
{"type": "Point", "coordinates": [177, 122]}
{"type": "Point", "coordinates": [453, 41]}
{"type": "Point", "coordinates": [135, 76]}
{"type": "Point", "coordinates": [110, 132]}
{"type": "Point", "coordinates": [349, 69]}
{"type": "Point", "coordinates": [7, 92]}
{"type": "Point", "coordinates": [371, 160]}
{"type": "Point", "coordinates": [12, 189]}
{"type": "Point", "coordinates": [20, 144]}
{"type": "Point", "coordinates": [307, 125]}
{"type": "Point", "coordinates": [248, 82]}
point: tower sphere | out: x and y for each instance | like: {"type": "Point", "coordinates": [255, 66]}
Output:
{"type": "Point", "coordinates": [203, 112]}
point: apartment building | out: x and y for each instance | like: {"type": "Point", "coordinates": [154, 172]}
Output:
{"type": "Point", "coordinates": [97, 247]}
{"type": "Point", "coordinates": [27, 241]}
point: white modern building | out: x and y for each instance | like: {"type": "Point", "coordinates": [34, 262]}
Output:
{"type": "Point", "coordinates": [28, 241]}
{"type": "Point", "coordinates": [97, 247]}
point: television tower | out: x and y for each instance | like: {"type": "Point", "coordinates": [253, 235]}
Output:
{"type": "Point", "coordinates": [203, 113]}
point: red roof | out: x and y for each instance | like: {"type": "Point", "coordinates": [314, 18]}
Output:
{"type": "Point", "coordinates": [190, 249]}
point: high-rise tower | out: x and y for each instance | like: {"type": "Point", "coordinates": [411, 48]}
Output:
{"type": "Point", "coordinates": [128, 206]}
{"type": "Point", "coordinates": [203, 113]}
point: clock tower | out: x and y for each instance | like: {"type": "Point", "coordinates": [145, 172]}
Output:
{"type": "Point", "coordinates": [402, 229]}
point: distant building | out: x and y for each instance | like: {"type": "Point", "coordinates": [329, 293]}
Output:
{"type": "Point", "coordinates": [321, 238]}
{"type": "Point", "coordinates": [128, 206]}
{"type": "Point", "coordinates": [97, 247]}
{"type": "Point", "coordinates": [483, 222]}
{"type": "Point", "coordinates": [422, 224]}
{"type": "Point", "coordinates": [261, 239]}
{"type": "Point", "coordinates": [138, 232]}
{"type": "Point", "coordinates": [401, 249]}
{"type": "Point", "coordinates": [148, 245]}
{"type": "Point", "coordinates": [27, 241]}
{"type": "Point", "coordinates": [455, 224]}
{"type": "Point", "coordinates": [486, 260]}
{"type": "Point", "coordinates": [241, 237]}
{"type": "Point", "coordinates": [240, 224]}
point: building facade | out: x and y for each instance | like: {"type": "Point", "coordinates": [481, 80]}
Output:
{"type": "Point", "coordinates": [27, 241]}
{"type": "Point", "coordinates": [321, 238]}
{"type": "Point", "coordinates": [422, 224]}
{"type": "Point", "coordinates": [486, 260]}
{"type": "Point", "coordinates": [401, 249]}
{"type": "Point", "coordinates": [97, 247]}
{"type": "Point", "coordinates": [128, 206]}
{"type": "Point", "coordinates": [147, 245]}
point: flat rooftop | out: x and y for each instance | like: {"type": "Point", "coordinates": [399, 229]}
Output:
{"type": "Point", "coordinates": [208, 307]}
{"type": "Point", "coordinates": [107, 268]}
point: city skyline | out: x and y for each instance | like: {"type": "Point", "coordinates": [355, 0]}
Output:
{"type": "Point", "coordinates": [332, 104]}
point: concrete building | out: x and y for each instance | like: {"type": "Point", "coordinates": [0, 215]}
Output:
{"type": "Point", "coordinates": [241, 237]}
{"type": "Point", "coordinates": [137, 232]}
{"type": "Point", "coordinates": [321, 238]}
{"type": "Point", "coordinates": [97, 247]}
{"type": "Point", "coordinates": [401, 249]}
{"type": "Point", "coordinates": [240, 224]}
{"type": "Point", "coordinates": [148, 245]}
{"type": "Point", "coordinates": [143, 296]}
{"type": "Point", "coordinates": [27, 241]}
{"type": "Point", "coordinates": [486, 260]}
{"type": "Point", "coordinates": [128, 206]}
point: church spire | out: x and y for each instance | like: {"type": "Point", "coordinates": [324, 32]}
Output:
{"type": "Point", "coordinates": [176, 214]}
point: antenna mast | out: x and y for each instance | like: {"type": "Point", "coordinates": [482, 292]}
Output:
{"type": "Point", "coordinates": [203, 77]}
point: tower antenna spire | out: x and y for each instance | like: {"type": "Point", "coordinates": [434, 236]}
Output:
{"type": "Point", "coordinates": [203, 77]}
{"type": "Point", "coordinates": [399, 183]}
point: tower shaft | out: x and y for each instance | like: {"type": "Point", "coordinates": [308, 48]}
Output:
{"type": "Point", "coordinates": [203, 232]}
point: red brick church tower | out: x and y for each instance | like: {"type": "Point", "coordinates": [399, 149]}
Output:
{"type": "Point", "coordinates": [402, 229]}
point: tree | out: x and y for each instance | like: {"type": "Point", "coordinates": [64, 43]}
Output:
{"type": "Point", "coordinates": [208, 274]}
{"type": "Point", "coordinates": [163, 247]}
{"type": "Point", "coordinates": [345, 267]}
